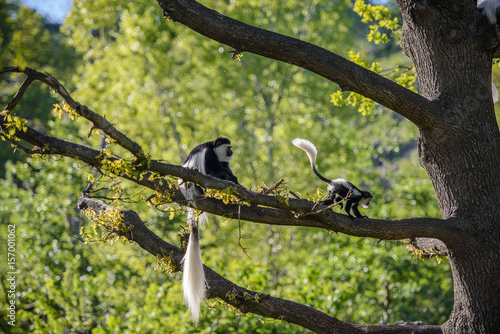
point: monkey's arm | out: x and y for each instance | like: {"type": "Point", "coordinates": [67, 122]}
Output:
{"type": "Point", "coordinates": [356, 212]}
{"type": "Point", "coordinates": [218, 169]}
{"type": "Point", "coordinates": [227, 173]}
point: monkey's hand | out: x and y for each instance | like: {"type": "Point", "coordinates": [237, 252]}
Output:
{"type": "Point", "coordinates": [327, 202]}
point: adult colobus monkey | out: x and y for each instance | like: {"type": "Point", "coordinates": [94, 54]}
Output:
{"type": "Point", "coordinates": [210, 158]}
{"type": "Point", "coordinates": [491, 9]}
{"type": "Point", "coordinates": [341, 187]}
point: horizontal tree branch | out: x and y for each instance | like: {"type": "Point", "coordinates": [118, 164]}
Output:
{"type": "Point", "coordinates": [348, 75]}
{"type": "Point", "coordinates": [263, 208]}
{"type": "Point", "coordinates": [245, 300]}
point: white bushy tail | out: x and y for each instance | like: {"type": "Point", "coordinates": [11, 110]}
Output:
{"type": "Point", "coordinates": [311, 151]}
{"type": "Point", "coordinates": [193, 280]}
{"type": "Point", "coordinates": [308, 147]}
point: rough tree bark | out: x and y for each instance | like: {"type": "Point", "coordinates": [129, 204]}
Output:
{"type": "Point", "coordinates": [451, 46]}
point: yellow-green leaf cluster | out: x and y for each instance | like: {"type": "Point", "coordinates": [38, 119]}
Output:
{"type": "Point", "coordinates": [120, 167]}
{"type": "Point", "coordinates": [407, 80]}
{"type": "Point", "coordinates": [382, 18]}
{"type": "Point", "coordinates": [166, 264]}
{"type": "Point", "coordinates": [12, 124]}
{"type": "Point", "coordinates": [356, 58]}
{"type": "Point", "coordinates": [364, 104]}
{"type": "Point", "coordinates": [112, 222]}
{"type": "Point", "coordinates": [58, 110]}
{"type": "Point", "coordinates": [225, 195]}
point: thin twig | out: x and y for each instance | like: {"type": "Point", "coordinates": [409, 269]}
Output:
{"type": "Point", "coordinates": [273, 188]}
{"type": "Point", "coordinates": [19, 95]}
{"type": "Point", "coordinates": [239, 235]}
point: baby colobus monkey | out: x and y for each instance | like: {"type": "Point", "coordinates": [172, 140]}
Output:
{"type": "Point", "coordinates": [341, 187]}
{"type": "Point", "coordinates": [210, 158]}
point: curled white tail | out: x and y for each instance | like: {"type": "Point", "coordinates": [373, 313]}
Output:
{"type": "Point", "coordinates": [311, 151]}
{"type": "Point", "coordinates": [193, 280]}
{"type": "Point", "coordinates": [308, 147]}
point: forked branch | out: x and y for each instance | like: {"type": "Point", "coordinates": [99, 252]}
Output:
{"type": "Point", "coordinates": [246, 301]}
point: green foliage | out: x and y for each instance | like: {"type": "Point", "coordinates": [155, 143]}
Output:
{"type": "Point", "coordinates": [26, 39]}
{"type": "Point", "coordinates": [382, 18]}
{"type": "Point", "coordinates": [12, 124]}
{"type": "Point", "coordinates": [382, 22]}
{"type": "Point", "coordinates": [365, 105]}
{"type": "Point", "coordinates": [170, 89]}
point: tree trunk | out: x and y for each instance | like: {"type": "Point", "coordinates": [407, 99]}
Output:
{"type": "Point", "coordinates": [449, 48]}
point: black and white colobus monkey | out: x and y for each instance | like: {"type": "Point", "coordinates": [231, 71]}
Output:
{"type": "Point", "coordinates": [340, 187]}
{"type": "Point", "coordinates": [210, 158]}
{"type": "Point", "coordinates": [491, 9]}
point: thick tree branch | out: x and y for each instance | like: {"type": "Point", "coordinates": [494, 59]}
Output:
{"type": "Point", "coordinates": [264, 208]}
{"type": "Point", "coordinates": [246, 301]}
{"type": "Point", "coordinates": [346, 74]}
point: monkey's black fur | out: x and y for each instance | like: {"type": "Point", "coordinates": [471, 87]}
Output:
{"type": "Point", "coordinates": [213, 165]}
{"type": "Point", "coordinates": [346, 190]}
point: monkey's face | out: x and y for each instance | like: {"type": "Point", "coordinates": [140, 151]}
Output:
{"type": "Point", "coordinates": [224, 152]}
{"type": "Point", "coordinates": [365, 201]}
